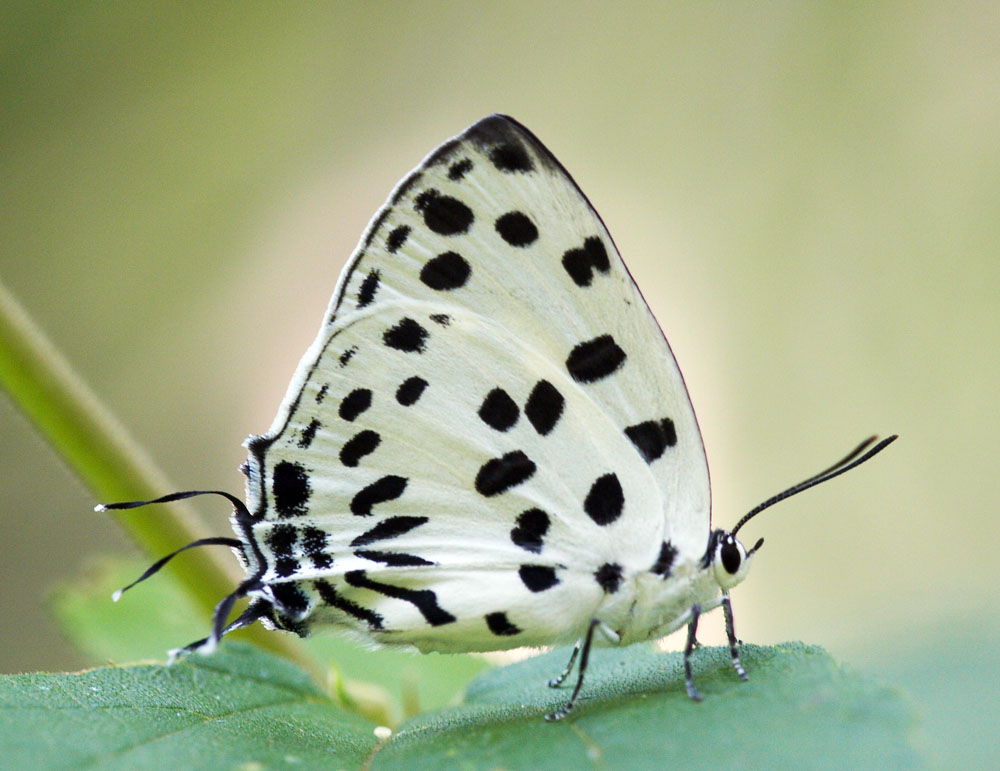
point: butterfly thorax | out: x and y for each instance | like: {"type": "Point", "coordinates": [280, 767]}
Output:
{"type": "Point", "coordinates": [659, 605]}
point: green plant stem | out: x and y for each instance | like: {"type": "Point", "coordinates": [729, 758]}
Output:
{"type": "Point", "coordinates": [99, 451]}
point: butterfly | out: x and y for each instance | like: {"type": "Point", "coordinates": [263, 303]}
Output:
{"type": "Point", "coordinates": [489, 445]}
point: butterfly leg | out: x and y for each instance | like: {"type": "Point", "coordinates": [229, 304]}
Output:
{"type": "Point", "coordinates": [555, 682]}
{"type": "Point", "coordinates": [692, 631]}
{"type": "Point", "coordinates": [727, 609]}
{"type": "Point", "coordinates": [560, 713]}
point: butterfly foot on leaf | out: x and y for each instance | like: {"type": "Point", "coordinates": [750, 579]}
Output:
{"type": "Point", "coordinates": [559, 714]}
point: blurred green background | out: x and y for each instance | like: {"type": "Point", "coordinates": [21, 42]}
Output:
{"type": "Point", "coordinates": [807, 193]}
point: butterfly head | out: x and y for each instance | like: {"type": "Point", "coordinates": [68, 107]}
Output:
{"type": "Point", "coordinates": [728, 559]}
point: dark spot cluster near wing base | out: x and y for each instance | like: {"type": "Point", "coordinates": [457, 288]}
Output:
{"type": "Point", "coordinates": [291, 489]}
{"type": "Point", "coordinates": [282, 540]}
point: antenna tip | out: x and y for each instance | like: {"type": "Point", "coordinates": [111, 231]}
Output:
{"type": "Point", "coordinates": [100, 507]}
{"type": "Point", "coordinates": [117, 595]}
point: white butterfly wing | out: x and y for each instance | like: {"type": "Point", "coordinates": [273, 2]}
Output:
{"type": "Point", "coordinates": [490, 429]}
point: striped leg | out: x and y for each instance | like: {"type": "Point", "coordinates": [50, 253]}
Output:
{"type": "Point", "coordinates": [727, 609]}
{"type": "Point", "coordinates": [560, 713]}
{"type": "Point", "coordinates": [692, 632]}
{"type": "Point", "coordinates": [555, 682]}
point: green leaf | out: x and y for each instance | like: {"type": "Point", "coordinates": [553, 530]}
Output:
{"type": "Point", "coordinates": [800, 709]}
{"type": "Point", "coordinates": [245, 708]}
{"type": "Point", "coordinates": [238, 708]}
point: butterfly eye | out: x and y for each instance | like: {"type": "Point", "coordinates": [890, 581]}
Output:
{"type": "Point", "coordinates": [730, 555]}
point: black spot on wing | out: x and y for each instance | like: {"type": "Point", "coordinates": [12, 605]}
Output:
{"type": "Point", "coordinates": [498, 475]}
{"type": "Point", "coordinates": [516, 228]}
{"type": "Point", "coordinates": [443, 214]}
{"type": "Point", "coordinates": [330, 596]}
{"type": "Point", "coordinates": [286, 566]}
{"type": "Point", "coordinates": [594, 359]}
{"type": "Point", "coordinates": [397, 237]}
{"type": "Point", "coordinates": [665, 561]}
{"type": "Point", "coordinates": [440, 318]}
{"type": "Point", "coordinates": [289, 598]}
{"type": "Point", "coordinates": [538, 578]}
{"type": "Point", "coordinates": [605, 501]}
{"type": "Point", "coordinates": [609, 577]}
{"type": "Point", "coordinates": [291, 489]}
{"type": "Point", "coordinates": [314, 544]}
{"type": "Point", "coordinates": [511, 156]}
{"type": "Point", "coordinates": [308, 433]}
{"type": "Point", "coordinates": [425, 600]}
{"type": "Point", "coordinates": [407, 336]}
{"type": "Point", "coordinates": [347, 355]}
{"type": "Point", "coordinates": [498, 410]}
{"type": "Point", "coordinates": [581, 263]}
{"type": "Point", "coordinates": [410, 390]}
{"type": "Point", "coordinates": [368, 288]}
{"type": "Point", "coordinates": [530, 530]}
{"type": "Point", "coordinates": [446, 271]}
{"type": "Point", "coordinates": [391, 527]}
{"type": "Point", "coordinates": [358, 446]}
{"type": "Point", "coordinates": [387, 488]}
{"type": "Point", "coordinates": [281, 539]}
{"type": "Point", "coordinates": [392, 559]}
{"type": "Point", "coordinates": [652, 437]}
{"type": "Point", "coordinates": [356, 402]}
{"type": "Point", "coordinates": [321, 393]}
{"type": "Point", "coordinates": [500, 625]}
{"type": "Point", "coordinates": [544, 406]}
{"type": "Point", "coordinates": [459, 169]}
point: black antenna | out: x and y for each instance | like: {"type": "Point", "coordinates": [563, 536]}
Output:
{"type": "Point", "coordinates": [838, 468]}
{"type": "Point", "coordinates": [234, 543]}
